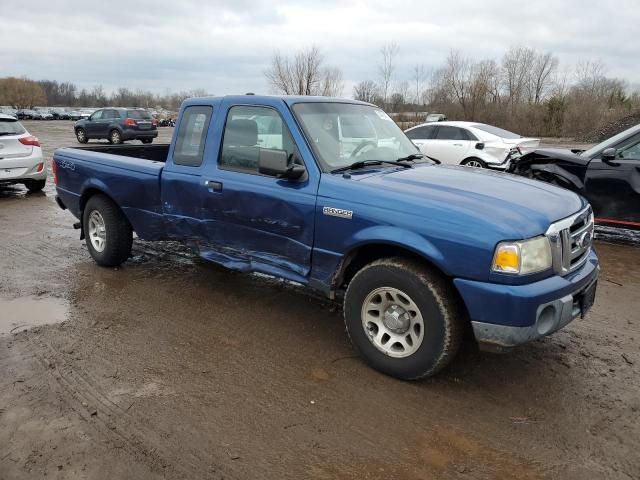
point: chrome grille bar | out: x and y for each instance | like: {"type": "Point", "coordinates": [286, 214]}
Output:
{"type": "Point", "coordinates": [570, 249]}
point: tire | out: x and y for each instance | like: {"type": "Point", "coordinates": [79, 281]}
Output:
{"type": "Point", "coordinates": [81, 135]}
{"type": "Point", "coordinates": [115, 137]}
{"type": "Point", "coordinates": [474, 162]}
{"type": "Point", "coordinates": [35, 185]}
{"type": "Point", "coordinates": [116, 234]}
{"type": "Point", "coordinates": [146, 140]}
{"type": "Point", "coordinates": [430, 299]}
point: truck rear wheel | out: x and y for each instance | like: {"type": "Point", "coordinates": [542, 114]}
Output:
{"type": "Point", "coordinates": [107, 231]}
{"type": "Point", "coordinates": [403, 318]}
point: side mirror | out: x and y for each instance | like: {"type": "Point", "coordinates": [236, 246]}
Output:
{"type": "Point", "coordinates": [276, 163]}
{"type": "Point", "coordinates": [609, 154]}
{"type": "Point", "coordinates": [479, 146]}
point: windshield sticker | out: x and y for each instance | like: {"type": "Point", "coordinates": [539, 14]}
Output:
{"type": "Point", "coordinates": [383, 115]}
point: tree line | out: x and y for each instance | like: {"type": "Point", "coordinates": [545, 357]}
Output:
{"type": "Point", "coordinates": [526, 90]}
{"type": "Point", "coordinates": [26, 93]}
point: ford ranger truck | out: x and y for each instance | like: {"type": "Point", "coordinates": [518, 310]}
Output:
{"type": "Point", "coordinates": [419, 252]}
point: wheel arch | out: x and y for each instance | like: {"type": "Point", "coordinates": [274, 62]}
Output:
{"type": "Point", "coordinates": [91, 191]}
{"type": "Point", "coordinates": [366, 252]}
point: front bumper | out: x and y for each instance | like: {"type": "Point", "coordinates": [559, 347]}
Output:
{"type": "Point", "coordinates": [504, 316]}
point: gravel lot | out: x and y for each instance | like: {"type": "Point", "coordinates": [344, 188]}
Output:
{"type": "Point", "coordinates": [168, 367]}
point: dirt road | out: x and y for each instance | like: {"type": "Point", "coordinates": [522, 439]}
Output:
{"type": "Point", "coordinates": [169, 367]}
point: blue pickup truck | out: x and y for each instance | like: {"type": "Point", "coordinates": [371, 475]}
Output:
{"type": "Point", "coordinates": [331, 194]}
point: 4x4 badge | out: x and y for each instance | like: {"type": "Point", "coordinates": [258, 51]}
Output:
{"type": "Point", "coordinates": [338, 212]}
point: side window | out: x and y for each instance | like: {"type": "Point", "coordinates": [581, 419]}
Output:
{"type": "Point", "coordinates": [450, 133]}
{"type": "Point", "coordinates": [631, 150]}
{"type": "Point", "coordinates": [468, 135]}
{"type": "Point", "coordinates": [97, 115]}
{"type": "Point", "coordinates": [249, 129]}
{"type": "Point", "coordinates": [421, 133]}
{"type": "Point", "coordinates": [111, 114]}
{"type": "Point", "coordinates": [192, 135]}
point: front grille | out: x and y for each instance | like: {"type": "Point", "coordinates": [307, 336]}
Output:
{"type": "Point", "coordinates": [571, 241]}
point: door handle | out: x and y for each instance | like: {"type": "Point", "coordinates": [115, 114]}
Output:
{"type": "Point", "coordinates": [457, 144]}
{"type": "Point", "coordinates": [213, 185]}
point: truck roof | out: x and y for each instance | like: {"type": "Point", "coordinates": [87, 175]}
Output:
{"type": "Point", "coordinates": [268, 99]}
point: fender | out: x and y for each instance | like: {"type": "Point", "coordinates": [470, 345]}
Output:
{"type": "Point", "coordinates": [328, 266]}
{"type": "Point", "coordinates": [568, 179]}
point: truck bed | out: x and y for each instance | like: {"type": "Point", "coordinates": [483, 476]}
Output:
{"type": "Point", "coordinates": [156, 152]}
{"type": "Point", "coordinates": [128, 174]}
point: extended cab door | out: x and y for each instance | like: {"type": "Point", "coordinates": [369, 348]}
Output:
{"type": "Point", "coordinates": [251, 220]}
{"type": "Point", "coordinates": [613, 186]}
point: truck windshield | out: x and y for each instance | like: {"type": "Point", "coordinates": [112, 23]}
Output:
{"type": "Point", "coordinates": [343, 133]}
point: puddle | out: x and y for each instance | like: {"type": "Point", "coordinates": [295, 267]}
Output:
{"type": "Point", "coordinates": [24, 313]}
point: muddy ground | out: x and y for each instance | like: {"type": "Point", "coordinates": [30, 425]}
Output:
{"type": "Point", "coordinates": [168, 367]}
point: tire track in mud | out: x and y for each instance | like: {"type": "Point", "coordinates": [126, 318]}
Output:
{"type": "Point", "coordinates": [120, 429]}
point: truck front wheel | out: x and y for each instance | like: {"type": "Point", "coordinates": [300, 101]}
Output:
{"type": "Point", "coordinates": [107, 231]}
{"type": "Point", "coordinates": [403, 318]}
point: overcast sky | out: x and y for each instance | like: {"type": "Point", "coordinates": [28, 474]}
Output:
{"type": "Point", "coordinates": [224, 46]}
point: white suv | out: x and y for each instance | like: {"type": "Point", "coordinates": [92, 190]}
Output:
{"type": "Point", "coordinates": [20, 156]}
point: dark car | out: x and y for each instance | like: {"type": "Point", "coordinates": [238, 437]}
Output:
{"type": "Point", "coordinates": [26, 114]}
{"type": "Point", "coordinates": [60, 114]}
{"type": "Point", "coordinates": [117, 125]}
{"type": "Point", "coordinates": [608, 175]}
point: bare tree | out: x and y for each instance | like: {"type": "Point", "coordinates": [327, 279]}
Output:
{"type": "Point", "coordinates": [517, 64]}
{"type": "Point", "coordinates": [304, 75]}
{"type": "Point", "coordinates": [366, 91]}
{"type": "Point", "coordinates": [419, 74]}
{"type": "Point", "coordinates": [541, 76]}
{"type": "Point", "coordinates": [387, 68]}
{"type": "Point", "coordinates": [331, 84]}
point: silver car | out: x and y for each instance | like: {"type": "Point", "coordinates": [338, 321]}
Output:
{"type": "Point", "coordinates": [21, 158]}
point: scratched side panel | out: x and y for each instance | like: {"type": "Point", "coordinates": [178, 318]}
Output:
{"type": "Point", "coordinates": [261, 219]}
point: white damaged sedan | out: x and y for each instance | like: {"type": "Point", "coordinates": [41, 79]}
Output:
{"type": "Point", "coordinates": [470, 143]}
{"type": "Point", "coordinates": [20, 156]}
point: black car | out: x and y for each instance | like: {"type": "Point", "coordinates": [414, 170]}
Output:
{"type": "Point", "coordinates": [117, 125]}
{"type": "Point", "coordinates": [608, 175]}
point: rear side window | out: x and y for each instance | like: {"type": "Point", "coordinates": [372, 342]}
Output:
{"type": "Point", "coordinates": [11, 127]}
{"type": "Point", "coordinates": [192, 135]}
{"type": "Point", "coordinates": [450, 133]}
{"type": "Point", "coordinates": [138, 114]}
{"type": "Point", "coordinates": [421, 133]}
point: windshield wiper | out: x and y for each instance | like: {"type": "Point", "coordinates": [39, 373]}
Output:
{"type": "Point", "coordinates": [2, 134]}
{"type": "Point", "coordinates": [417, 156]}
{"type": "Point", "coordinates": [367, 163]}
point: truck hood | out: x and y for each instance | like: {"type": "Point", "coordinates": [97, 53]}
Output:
{"type": "Point", "coordinates": [511, 204]}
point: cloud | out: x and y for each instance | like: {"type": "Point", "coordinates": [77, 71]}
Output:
{"type": "Point", "coordinates": [225, 46]}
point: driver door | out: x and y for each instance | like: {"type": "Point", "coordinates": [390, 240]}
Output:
{"type": "Point", "coordinates": [254, 220]}
{"type": "Point", "coordinates": [93, 124]}
{"type": "Point", "coordinates": [613, 186]}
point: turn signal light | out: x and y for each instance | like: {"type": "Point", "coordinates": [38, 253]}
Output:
{"type": "Point", "coordinates": [31, 140]}
{"type": "Point", "coordinates": [130, 122]}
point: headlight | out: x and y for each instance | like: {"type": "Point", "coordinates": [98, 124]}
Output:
{"type": "Point", "coordinates": [522, 257]}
